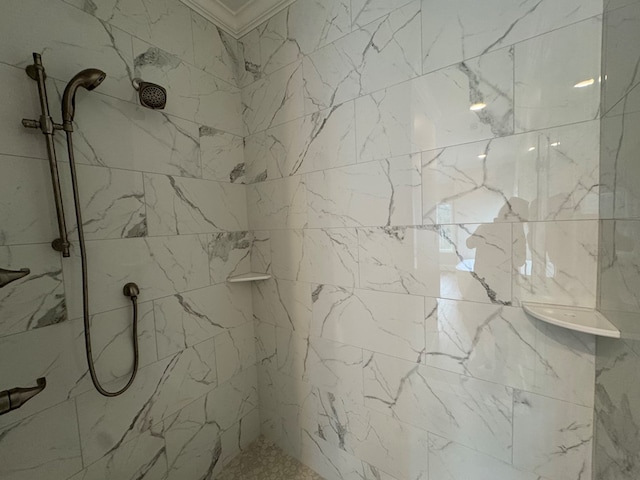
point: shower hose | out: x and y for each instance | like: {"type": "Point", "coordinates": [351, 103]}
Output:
{"type": "Point", "coordinates": [131, 293]}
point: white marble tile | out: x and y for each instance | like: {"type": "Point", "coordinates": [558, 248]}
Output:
{"type": "Point", "coordinates": [137, 138]}
{"type": "Point", "coordinates": [194, 444]}
{"type": "Point", "coordinates": [222, 156]}
{"type": "Point", "coordinates": [261, 251]}
{"type": "Point", "coordinates": [160, 266]}
{"type": "Point", "coordinates": [316, 255]}
{"type": "Point", "coordinates": [142, 458]}
{"type": "Point", "coordinates": [502, 345]}
{"type": "Point", "coordinates": [215, 51]}
{"type": "Point", "coordinates": [366, 11]}
{"type": "Point", "coordinates": [322, 140]}
{"type": "Point", "coordinates": [44, 445]}
{"type": "Point", "coordinates": [240, 436]}
{"type": "Point", "coordinates": [329, 461]}
{"type": "Point", "coordinates": [465, 262]}
{"type": "Point", "coordinates": [274, 99]}
{"type": "Point", "coordinates": [186, 319]}
{"type": "Point", "coordinates": [29, 214]}
{"type": "Point", "coordinates": [112, 203]}
{"type": "Point", "coordinates": [292, 352]}
{"type": "Point", "coordinates": [455, 31]}
{"type": "Point", "coordinates": [160, 390]}
{"type": "Point", "coordinates": [314, 23]}
{"type": "Point", "coordinates": [280, 203]}
{"type": "Point", "coordinates": [265, 335]}
{"type": "Point", "coordinates": [546, 175]}
{"type": "Point", "coordinates": [69, 40]}
{"type": "Point", "coordinates": [230, 402]}
{"type": "Point", "coordinates": [249, 62]}
{"type": "Point", "coordinates": [192, 94]}
{"type": "Point", "coordinates": [558, 264]}
{"type": "Point", "coordinates": [547, 69]}
{"type": "Point", "coordinates": [235, 351]}
{"type": "Point", "coordinates": [278, 44]}
{"type": "Point", "coordinates": [178, 205]}
{"type": "Point", "coordinates": [378, 193]}
{"type": "Point", "coordinates": [376, 56]}
{"type": "Point", "coordinates": [36, 300]}
{"type": "Point", "coordinates": [451, 461]}
{"type": "Point", "coordinates": [255, 157]}
{"type": "Point", "coordinates": [394, 323]}
{"type": "Point", "coordinates": [383, 442]}
{"type": "Point", "coordinates": [551, 438]}
{"type": "Point", "coordinates": [474, 413]}
{"type": "Point", "coordinates": [433, 111]}
{"type": "Point", "coordinates": [284, 304]}
{"type": "Point", "coordinates": [229, 254]}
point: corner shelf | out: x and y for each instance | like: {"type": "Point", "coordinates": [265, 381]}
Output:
{"type": "Point", "coordinates": [249, 277]}
{"type": "Point", "coordinates": [586, 320]}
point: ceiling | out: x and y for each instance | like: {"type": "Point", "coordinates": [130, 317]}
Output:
{"type": "Point", "coordinates": [237, 17]}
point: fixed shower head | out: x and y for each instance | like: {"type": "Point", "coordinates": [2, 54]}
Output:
{"type": "Point", "coordinates": [151, 95]}
{"type": "Point", "coordinates": [89, 79]}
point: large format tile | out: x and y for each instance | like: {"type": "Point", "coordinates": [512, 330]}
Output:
{"type": "Point", "coordinates": [464, 262]}
{"type": "Point", "coordinates": [280, 203]}
{"type": "Point", "coordinates": [235, 351]}
{"type": "Point", "coordinates": [433, 111]}
{"type": "Point", "coordinates": [45, 445]}
{"type": "Point", "coordinates": [551, 438]}
{"type": "Point", "coordinates": [546, 175]}
{"type": "Point", "coordinates": [283, 303]}
{"type": "Point", "coordinates": [36, 300]}
{"type": "Point", "coordinates": [547, 70]}
{"type": "Point", "coordinates": [474, 413]}
{"type": "Point", "coordinates": [222, 156]}
{"type": "Point", "coordinates": [178, 205]}
{"type": "Point", "coordinates": [327, 256]}
{"type": "Point", "coordinates": [381, 54]}
{"type": "Point", "coordinates": [229, 254]}
{"type": "Point", "coordinates": [378, 193]}
{"type": "Point", "coordinates": [455, 31]}
{"type": "Point", "coordinates": [215, 51]}
{"type": "Point", "coordinates": [394, 324]}
{"type": "Point", "coordinates": [559, 262]}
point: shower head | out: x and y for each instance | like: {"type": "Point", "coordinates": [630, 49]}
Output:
{"type": "Point", "coordinates": [151, 95]}
{"type": "Point", "coordinates": [89, 79]}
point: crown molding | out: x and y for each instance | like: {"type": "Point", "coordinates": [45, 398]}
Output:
{"type": "Point", "coordinates": [237, 23]}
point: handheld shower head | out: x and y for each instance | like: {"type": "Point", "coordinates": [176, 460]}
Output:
{"type": "Point", "coordinates": [89, 79]}
{"type": "Point", "coordinates": [151, 95]}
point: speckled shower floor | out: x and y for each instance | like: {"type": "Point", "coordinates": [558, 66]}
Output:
{"type": "Point", "coordinates": [265, 461]}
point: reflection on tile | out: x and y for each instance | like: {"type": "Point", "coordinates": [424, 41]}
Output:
{"type": "Point", "coordinates": [558, 264]}
{"type": "Point", "coordinates": [36, 300]}
{"type": "Point", "coordinates": [502, 345]}
{"type": "Point", "coordinates": [549, 67]}
{"type": "Point", "coordinates": [470, 262]}
{"type": "Point", "coordinates": [455, 31]}
{"type": "Point", "coordinates": [394, 323]}
{"type": "Point", "coordinates": [178, 205]}
{"type": "Point", "coordinates": [551, 438]}
{"type": "Point", "coordinates": [222, 156]}
{"type": "Point", "coordinates": [383, 53]}
{"type": "Point", "coordinates": [553, 172]}
{"type": "Point", "coordinates": [471, 412]}
{"type": "Point", "coordinates": [379, 193]}
{"type": "Point", "coordinates": [186, 319]}
{"type": "Point", "coordinates": [434, 110]}
{"type": "Point", "coordinates": [53, 434]}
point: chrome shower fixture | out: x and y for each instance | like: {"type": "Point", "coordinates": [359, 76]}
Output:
{"type": "Point", "coordinates": [151, 95]}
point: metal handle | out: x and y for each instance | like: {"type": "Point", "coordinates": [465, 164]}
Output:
{"type": "Point", "coordinates": [16, 397]}
{"type": "Point", "coordinates": [8, 276]}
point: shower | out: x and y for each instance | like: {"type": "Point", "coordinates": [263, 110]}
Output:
{"type": "Point", "coordinates": [88, 79]}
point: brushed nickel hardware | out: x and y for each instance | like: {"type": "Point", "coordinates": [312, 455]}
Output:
{"type": "Point", "coordinates": [16, 397]}
{"type": "Point", "coordinates": [8, 276]}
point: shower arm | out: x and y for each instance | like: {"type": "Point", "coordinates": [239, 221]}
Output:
{"type": "Point", "coordinates": [46, 124]}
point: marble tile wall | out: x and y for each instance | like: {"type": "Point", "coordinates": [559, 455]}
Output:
{"type": "Point", "coordinates": [617, 399]}
{"type": "Point", "coordinates": [403, 229]}
{"type": "Point", "coordinates": [164, 205]}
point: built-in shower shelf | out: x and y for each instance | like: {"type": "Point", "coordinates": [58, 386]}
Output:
{"type": "Point", "coordinates": [584, 320]}
{"type": "Point", "coordinates": [249, 277]}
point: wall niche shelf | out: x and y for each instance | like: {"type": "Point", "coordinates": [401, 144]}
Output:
{"type": "Point", "coordinates": [586, 320]}
{"type": "Point", "coordinates": [249, 277]}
